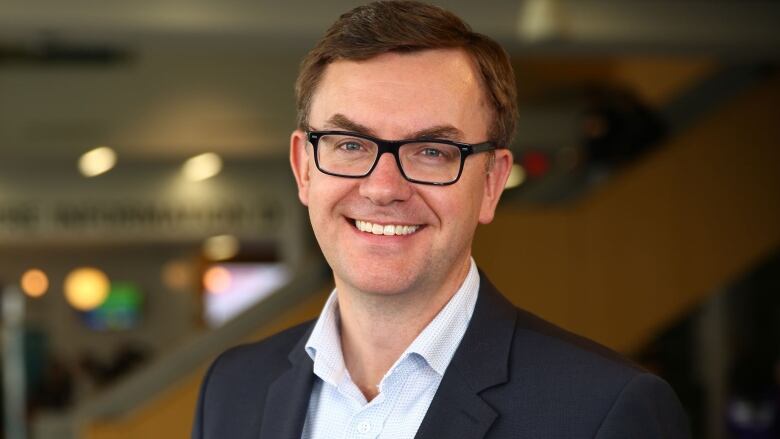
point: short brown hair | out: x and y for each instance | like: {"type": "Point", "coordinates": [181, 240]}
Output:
{"type": "Point", "coordinates": [408, 26]}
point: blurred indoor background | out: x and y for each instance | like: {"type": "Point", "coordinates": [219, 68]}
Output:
{"type": "Point", "coordinates": [148, 219]}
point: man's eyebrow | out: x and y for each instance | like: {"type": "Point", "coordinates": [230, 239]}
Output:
{"type": "Point", "coordinates": [447, 132]}
{"type": "Point", "coordinates": [341, 122]}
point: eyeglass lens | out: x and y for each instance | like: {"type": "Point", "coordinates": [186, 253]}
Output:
{"type": "Point", "coordinates": [427, 161]}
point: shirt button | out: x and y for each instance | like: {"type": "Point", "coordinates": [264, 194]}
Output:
{"type": "Point", "coordinates": [364, 427]}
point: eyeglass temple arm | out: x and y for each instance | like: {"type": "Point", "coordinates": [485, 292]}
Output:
{"type": "Point", "coordinates": [482, 147]}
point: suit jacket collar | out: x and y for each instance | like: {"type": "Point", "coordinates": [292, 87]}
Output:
{"type": "Point", "coordinates": [457, 410]}
{"type": "Point", "coordinates": [288, 396]}
{"type": "Point", "coordinates": [481, 362]}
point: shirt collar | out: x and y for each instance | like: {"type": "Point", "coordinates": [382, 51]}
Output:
{"type": "Point", "coordinates": [324, 344]}
{"type": "Point", "coordinates": [439, 340]}
{"type": "Point", "coordinates": [436, 343]}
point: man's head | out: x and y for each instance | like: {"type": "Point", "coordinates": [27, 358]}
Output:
{"type": "Point", "coordinates": [408, 26]}
{"type": "Point", "coordinates": [382, 233]}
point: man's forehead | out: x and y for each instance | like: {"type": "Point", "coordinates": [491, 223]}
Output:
{"type": "Point", "coordinates": [399, 65]}
{"type": "Point", "coordinates": [429, 93]}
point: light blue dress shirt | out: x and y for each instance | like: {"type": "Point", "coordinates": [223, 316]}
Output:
{"type": "Point", "coordinates": [337, 407]}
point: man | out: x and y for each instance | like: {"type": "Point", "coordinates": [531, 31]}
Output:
{"type": "Point", "coordinates": [401, 150]}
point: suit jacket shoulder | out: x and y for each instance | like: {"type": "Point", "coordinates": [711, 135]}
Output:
{"type": "Point", "coordinates": [235, 390]}
{"type": "Point", "coordinates": [545, 382]}
{"type": "Point", "coordinates": [574, 387]}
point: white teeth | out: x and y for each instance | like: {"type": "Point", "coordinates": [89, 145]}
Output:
{"type": "Point", "coordinates": [389, 229]}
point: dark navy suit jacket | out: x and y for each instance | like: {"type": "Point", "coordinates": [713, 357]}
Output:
{"type": "Point", "coordinates": [513, 376]}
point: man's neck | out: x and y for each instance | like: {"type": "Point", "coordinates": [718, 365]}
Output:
{"type": "Point", "coordinates": [376, 329]}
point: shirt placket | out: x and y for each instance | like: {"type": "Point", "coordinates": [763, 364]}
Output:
{"type": "Point", "coordinates": [369, 422]}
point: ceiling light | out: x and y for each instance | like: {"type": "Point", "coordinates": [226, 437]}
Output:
{"type": "Point", "coordinates": [34, 282]}
{"type": "Point", "coordinates": [220, 248]}
{"type": "Point", "coordinates": [202, 167]}
{"type": "Point", "coordinates": [86, 288]}
{"type": "Point", "coordinates": [540, 20]}
{"type": "Point", "coordinates": [97, 161]}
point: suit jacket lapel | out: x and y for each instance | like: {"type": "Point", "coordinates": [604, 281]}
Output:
{"type": "Point", "coordinates": [288, 397]}
{"type": "Point", "coordinates": [480, 362]}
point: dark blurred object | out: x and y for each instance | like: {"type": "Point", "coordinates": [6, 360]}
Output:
{"type": "Point", "coordinates": [673, 356]}
{"type": "Point", "coordinates": [49, 380]}
{"type": "Point", "coordinates": [583, 135]}
{"type": "Point", "coordinates": [55, 390]}
{"type": "Point", "coordinates": [572, 139]}
{"type": "Point", "coordinates": [127, 358]}
{"type": "Point", "coordinates": [51, 50]}
{"type": "Point", "coordinates": [741, 394]}
{"type": "Point", "coordinates": [617, 126]}
{"type": "Point", "coordinates": [752, 410]}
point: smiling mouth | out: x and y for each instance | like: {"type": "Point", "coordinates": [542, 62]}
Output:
{"type": "Point", "coordinates": [385, 229]}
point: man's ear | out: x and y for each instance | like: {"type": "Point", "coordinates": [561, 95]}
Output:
{"type": "Point", "coordinates": [299, 161]}
{"type": "Point", "coordinates": [495, 180]}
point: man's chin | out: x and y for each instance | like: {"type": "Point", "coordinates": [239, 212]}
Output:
{"type": "Point", "coordinates": [388, 285]}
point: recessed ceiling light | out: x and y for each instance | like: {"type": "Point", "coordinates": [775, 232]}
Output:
{"type": "Point", "coordinates": [202, 167]}
{"type": "Point", "coordinates": [97, 161]}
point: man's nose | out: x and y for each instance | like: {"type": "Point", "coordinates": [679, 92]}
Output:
{"type": "Point", "coordinates": [386, 184]}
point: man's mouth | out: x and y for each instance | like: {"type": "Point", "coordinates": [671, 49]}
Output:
{"type": "Point", "coordinates": [385, 229]}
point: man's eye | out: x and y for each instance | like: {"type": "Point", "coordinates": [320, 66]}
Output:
{"type": "Point", "coordinates": [350, 146]}
{"type": "Point", "coordinates": [431, 152]}
{"type": "Point", "coordinates": [437, 153]}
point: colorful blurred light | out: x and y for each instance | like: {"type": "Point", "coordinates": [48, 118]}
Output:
{"type": "Point", "coordinates": [536, 163]}
{"type": "Point", "coordinates": [121, 310]}
{"type": "Point", "coordinates": [86, 288]}
{"type": "Point", "coordinates": [34, 282]}
{"type": "Point", "coordinates": [217, 280]}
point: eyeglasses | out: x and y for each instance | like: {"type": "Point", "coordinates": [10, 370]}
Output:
{"type": "Point", "coordinates": [351, 155]}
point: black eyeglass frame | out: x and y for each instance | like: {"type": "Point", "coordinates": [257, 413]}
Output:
{"type": "Point", "coordinates": [392, 147]}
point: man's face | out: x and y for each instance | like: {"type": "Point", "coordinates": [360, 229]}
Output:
{"type": "Point", "coordinates": [400, 96]}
